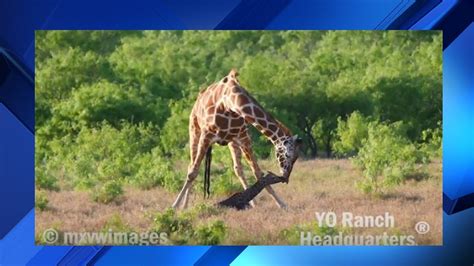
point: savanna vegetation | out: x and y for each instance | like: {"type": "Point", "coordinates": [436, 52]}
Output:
{"type": "Point", "coordinates": [112, 113]}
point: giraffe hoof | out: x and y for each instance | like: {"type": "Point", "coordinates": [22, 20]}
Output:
{"type": "Point", "coordinates": [176, 206]}
{"type": "Point", "coordinates": [284, 179]}
{"type": "Point", "coordinates": [252, 204]}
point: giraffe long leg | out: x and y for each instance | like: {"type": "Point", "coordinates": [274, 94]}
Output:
{"type": "Point", "coordinates": [236, 153]}
{"type": "Point", "coordinates": [250, 157]}
{"type": "Point", "coordinates": [193, 168]}
{"type": "Point", "coordinates": [193, 171]}
{"type": "Point", "coordinates": [194, 137]}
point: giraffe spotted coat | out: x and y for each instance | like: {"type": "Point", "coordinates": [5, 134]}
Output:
{"type": "Point", "coordinates": [222, 114]}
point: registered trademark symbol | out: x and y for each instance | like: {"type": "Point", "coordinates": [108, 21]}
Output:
{"type": "Point", "coordinates": [422, 227]}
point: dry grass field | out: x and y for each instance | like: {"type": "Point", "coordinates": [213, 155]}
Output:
{"type": "Point", "coordinates": [321, 185]}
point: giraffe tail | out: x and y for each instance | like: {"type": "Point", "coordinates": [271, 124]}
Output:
{"type": "Point", "coordinates": [207, 173]}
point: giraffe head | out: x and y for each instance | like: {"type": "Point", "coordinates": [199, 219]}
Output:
{"type": "Point", "coordinates": [287, 150]}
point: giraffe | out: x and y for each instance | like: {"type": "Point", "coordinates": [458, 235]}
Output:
{"type": "Point", "coordinates": [241, 200]}
{"type": "Point", "coordinates": [221, 114]}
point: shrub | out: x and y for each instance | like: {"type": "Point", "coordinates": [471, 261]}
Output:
{"type": "Point", "coordinates": [225, 184]}
{"type": "Point", "coordinates": [76, 68]}
{"type": "Point", "coordinates": [148, 178]}
{"type": "Point", "coordinates": [174, 136]}
{"type": "Point", "coordinates": [211, 234]}
{"type": "Point", "coordinates": [261, 147]}
{"type": "Point", "coordinates": [41, 201]}
{"type": "Point", "coordinates": [292, 235]}
{"type": "Point", "coordinates": [108, 192]}
{"type": "Point", "coordinates": [174, 180]}
{"type": "Point", "coordinates": [97, 155]}
{"type": "Point", "coordinates": [178, 226]}
{"type": "Point", "coordinates": [223, 179]}
{"type": "Point", "coordinates": [116, 224]}
{"type": "Point", "coordinates": [432, 145]}
{"type": "Point", "coordinates": [350, 134]}
{"type": "Point", "coordinates": [90, 105]}
{"type": "Point", "coordinates": [44, 180]}
{"type": "Point", "coordinates": [386, 157]}
{"type": "Point", "coordinates": [156, 170]}
{"type": "Point", "coordinates": [180, 229]}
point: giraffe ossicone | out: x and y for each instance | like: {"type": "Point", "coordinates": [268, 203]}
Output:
{"type": "Point", "coordinates": [221, 114]}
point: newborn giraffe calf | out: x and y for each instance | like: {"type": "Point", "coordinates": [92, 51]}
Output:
{"type": "Point", "coordinates": [241, 200]}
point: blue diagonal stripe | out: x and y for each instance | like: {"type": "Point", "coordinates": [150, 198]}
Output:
{"type": "Point", "coordinates": [252, 14]}
{"type": "Point", "coordinates": [220, 255]}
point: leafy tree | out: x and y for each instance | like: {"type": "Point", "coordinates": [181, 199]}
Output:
{"type": "Point", "coordinates": [387, 157]}
{"type": "Point", "coordinates": [114, 105]}
{"type": "Point", "coordinates": [351, 134]}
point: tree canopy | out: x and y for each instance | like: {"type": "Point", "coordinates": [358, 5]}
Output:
{"type": "Point", "coordinates": [90, 83]}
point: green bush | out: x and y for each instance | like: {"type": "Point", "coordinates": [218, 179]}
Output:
{"type": "Point", "coordinates": [116, 224]}
{"type": "Point", "coordinates": [210, 234]}
{"type": "Point", "coordinates": [292, 235]}
{"type": "Point", "coordinates": [261, 147]}
{"type": "Point", "coordinates": [41, 201]}
{"type": "Point", "coordinates": [105, 101]}
{"type": "Point", "coordinates": [156, 170]}
{"type": "Point", "coordinates": [45, 180]}
{"type": "Point", "coordinates": [350, 134]}
{"type": "Point", "coordinates": [386, 158]}
{"type": "Point", "coordinates": [225, 184]}
{"type": "Point", "coordinates": [180, 229]}
{"type": "Point", "coordinates": [223, 179]}
{"type": "Point", "coordinates": [76, 67]}
{"type": "Point", "coordinates": [174, 136]}
{"type": "Point", "coordinates": [432, 145]}
{"type": "Point", "coordinates": [95, 156]}
{"type": "Point", "coordinates": [178, 226]}
{"type": "Point", "coordinates": [108, 192]}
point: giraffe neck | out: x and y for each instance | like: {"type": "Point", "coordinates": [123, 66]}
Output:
{"type": "Point", "coordinates": [240, 101]}
{"type": "Point", "coordinates": [273, 130]}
